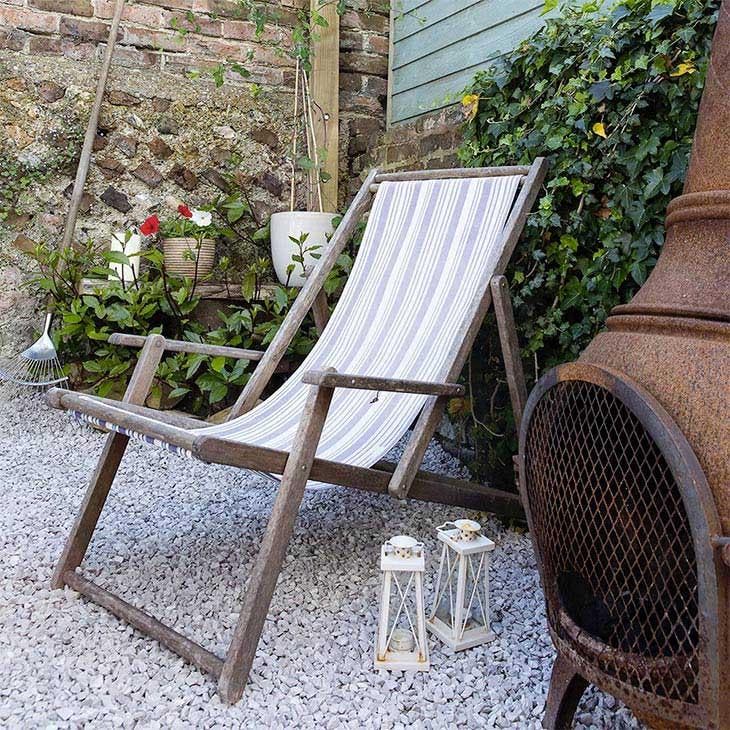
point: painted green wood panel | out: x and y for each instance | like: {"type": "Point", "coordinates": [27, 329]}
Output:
{"type": "Point", "coordinates": [438, 45]}
{"type": "Point", "coordinates": [473, 24]}
{"type": "Point", "coordinates": [412, 17]}
{"type": "Point", "coordinates": [474, 52]}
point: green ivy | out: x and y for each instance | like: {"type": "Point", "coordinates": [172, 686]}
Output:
{"type": "Point", "coordinates": [611, 98]}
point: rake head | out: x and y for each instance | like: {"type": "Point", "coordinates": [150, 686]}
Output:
{"type": "Point", "coordinates": [36, 367]}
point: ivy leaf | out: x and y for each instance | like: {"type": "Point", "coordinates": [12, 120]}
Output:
{"type": "Point", "coordinates": [601, 90]}
{"type": "Point", "coordinates": [217, 393]}
{"type": "Point", "coordinates": [659, 12]}
{"type": "Point", "coordinates": [262, 234]}
{"type": "Point", "coordinates": [599, 129]}
{"type": "Point", "coordinates": [179, 392]}
{"type": "Point", "coordinates": [195, 362]}
{"type": "Point", "coordinates": [683, 69]}
{"type": "Point", "coordinates": [281, 297]}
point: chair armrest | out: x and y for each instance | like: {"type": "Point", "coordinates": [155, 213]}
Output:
{"type": "Point", "coordinates": [330, 379]}
{"type": "Point", "coordinates": [201, 348]}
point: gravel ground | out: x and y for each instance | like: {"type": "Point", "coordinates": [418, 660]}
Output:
{"type": "Point", "coordinates": [177, 538]}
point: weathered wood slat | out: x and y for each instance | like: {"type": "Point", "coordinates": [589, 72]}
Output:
{"type": "Point", "coordinates": [426, 486]}
{"type": "Point", "coordinates": [321, 311]}
{"type": "Point", "coordinates": [325, 86]}
{"type": "Point", "coordinates": [440, 39]}
{"type": "Point", "coordinates": [186, 648]}
{"type": "Point", "coordinates": [199, 348]}
{"type": "Point", "coordinates": [171, 418]}
{"type": "Point", "coordinates": [510, 347]}
{"type": "Point", "coordinates": [261, 584]}
{"type": "Point", "coordinates": [363, 382]}
{"type": "Point", "coordinates": [108, 410]}
{"type": "Point", "coordinates": [437, 47]}
{"type": "Point", "coordinates": [440, 94]}
{"type": "Point", "coordinates": [410, 20]}
{"type": "Point", "coordinates": [454, 173]}
{"type": "Point", "coordinates": [106, 468]}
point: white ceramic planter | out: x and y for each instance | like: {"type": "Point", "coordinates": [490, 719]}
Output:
{"type": "Point", "coordinates": [291, 224]}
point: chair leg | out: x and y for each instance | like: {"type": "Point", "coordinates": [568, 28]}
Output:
{"type": "Point", "coordinates": [566, 689]}
{"type": "Point", "coordinates": [510, 347]}
{"type": "Point", "coordinates": [106, 468]}
{"type": "Point", "coordinates": [265, 574]}
{"type": "Point", "coordinates": [96, 494]}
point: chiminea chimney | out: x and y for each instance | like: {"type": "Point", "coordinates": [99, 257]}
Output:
{"type": "Point", "coordinates": [625, 468]}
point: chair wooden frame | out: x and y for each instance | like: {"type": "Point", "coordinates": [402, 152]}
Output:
{"type": "Point", "coordinates": [401, 480]}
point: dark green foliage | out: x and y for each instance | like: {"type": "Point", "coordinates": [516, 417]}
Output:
{"type": "Point", "coordinates": [156, 302]}
{"type": "Point", "coordinates": [611, 98]}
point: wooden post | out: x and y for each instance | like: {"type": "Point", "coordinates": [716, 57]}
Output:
{"type": "Point", "coordinates": [325, 90]}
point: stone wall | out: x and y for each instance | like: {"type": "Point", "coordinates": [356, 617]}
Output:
{"type": "Point", "coordinates": [165, 129]}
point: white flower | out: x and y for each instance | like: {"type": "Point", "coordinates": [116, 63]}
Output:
{"type": "Point", "coordinates": [202, 218]}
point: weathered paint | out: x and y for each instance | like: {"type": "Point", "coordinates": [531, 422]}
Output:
{"type": "Point", "coordinates": [438, 45]}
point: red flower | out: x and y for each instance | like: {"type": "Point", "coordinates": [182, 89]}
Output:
{"type": "Point", "coordinates": [150, 226]}
{"type": "Point", "coordinates": [184, 211]}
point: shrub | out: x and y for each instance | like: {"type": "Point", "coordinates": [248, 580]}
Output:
{"type": "Point", "coordinates": [611, 98]}
{"type": "Point", "coordinates": [87, 310]}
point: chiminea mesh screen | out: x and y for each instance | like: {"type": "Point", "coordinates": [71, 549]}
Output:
{"type": "Point", "coordinates": [614, 539]}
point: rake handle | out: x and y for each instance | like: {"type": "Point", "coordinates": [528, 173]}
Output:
{"type": "Point", "coordinates": [85, 160]}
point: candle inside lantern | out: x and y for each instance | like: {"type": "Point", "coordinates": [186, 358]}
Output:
{"type": "Point", "coordinates": [401, 640]}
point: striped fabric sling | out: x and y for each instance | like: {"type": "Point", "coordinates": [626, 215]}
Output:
{"type": "Point", "coordinates": [428, 249]}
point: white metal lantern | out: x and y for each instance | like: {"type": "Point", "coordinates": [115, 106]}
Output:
{"type": "Point", "coordinates": [402, 642]}
{"type": "Point", "coordinates": [460, 613]}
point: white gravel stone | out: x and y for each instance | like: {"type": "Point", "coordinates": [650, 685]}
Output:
{"type": "Point", "coordinates": [178, 537]}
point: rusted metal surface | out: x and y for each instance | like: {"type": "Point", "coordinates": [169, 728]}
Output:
{"type": "Point", "coordinates": [685, 364]}
{"type": "Point", "coordinates": [622, 518]}
{"type": "Point", "coordinates": [625, 467]}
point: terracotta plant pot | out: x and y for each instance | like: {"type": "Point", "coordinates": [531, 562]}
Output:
{"type": "Point", "coordinates": [181, 255]}
{"type": "Point", "coordinates": [288, 225]}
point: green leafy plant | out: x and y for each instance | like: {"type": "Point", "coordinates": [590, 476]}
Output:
{"type": "Point", "coordinates": [611, 98]}
{"type": "Point", "coordinates": [302, 252]}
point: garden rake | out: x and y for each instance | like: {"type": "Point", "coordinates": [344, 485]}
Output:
{"type": "Point", "coordinates": [39, 366]}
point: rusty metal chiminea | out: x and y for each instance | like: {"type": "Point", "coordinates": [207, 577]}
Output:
{"type": "Point", "coordinates": [625, 468]}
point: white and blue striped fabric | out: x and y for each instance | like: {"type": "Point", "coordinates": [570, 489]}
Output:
{"type": "Point", "coordinates": [429, 248]}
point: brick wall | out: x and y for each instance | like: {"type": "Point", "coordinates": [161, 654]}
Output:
{"type": "Point", "coordinates": [430, 142]}
{"type": "Point", "coordinates": [165, 129]}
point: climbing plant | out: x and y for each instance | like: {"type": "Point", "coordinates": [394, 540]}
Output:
{"type": "Point", "coordinates": [610, 96]}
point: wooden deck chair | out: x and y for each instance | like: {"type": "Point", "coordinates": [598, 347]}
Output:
{"type": "Point", "coordinates": [430, 263]}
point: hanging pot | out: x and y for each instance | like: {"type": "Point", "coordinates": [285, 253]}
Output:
{"type": "Point", "coordinates": [293, 224]}
{"type": "Point", "coordinates": [181, 255]}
